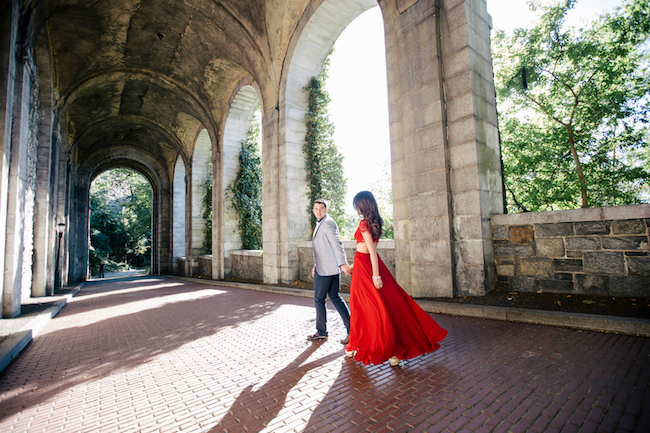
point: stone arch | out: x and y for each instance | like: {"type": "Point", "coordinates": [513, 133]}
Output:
{"type": "Point", "coordinates": [313, 39]}
{"type": "Point", "coordinates": [242, 104]}
{"type": "Point", "coordinates": [445, 156]}
{"type": "Point", "coordinates": [178, 199]}
{"type": "Point", "coordinates": [201, 160]}
{"type": "Point", "coordinates": [155, 173]}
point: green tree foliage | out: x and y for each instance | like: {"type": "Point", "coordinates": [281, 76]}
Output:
{"type": "Point", "coordinates": [207, 211]}
{"type": "Point", "coordinates": [323, 159]}
{"type": "Point", "coordinates": [383, 192]}
{"type": "Point", "coordinates": [573, 109]}
{"type": "Point", "coordinates": [246, 189]}
{"type": "Point", "coordinates": [120, 220]}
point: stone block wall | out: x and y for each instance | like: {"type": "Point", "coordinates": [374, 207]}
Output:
{"type": "Point", "coordinates": [247, 265]}
{"type": "Point", "coordinates": [205, 266]}
{"type": "Point", "coordinates": [599, 251]}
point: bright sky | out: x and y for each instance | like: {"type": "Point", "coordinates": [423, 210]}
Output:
{"type": "Point", "coordinates": [357, 84]}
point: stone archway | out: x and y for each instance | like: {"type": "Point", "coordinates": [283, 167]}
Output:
{"type": "Point", "coordinates": [312, 42]}
{"type": "Point", "coordinates": [445, 156]}
{"type": "Point", "coordinates": [241, 107]}
{"type": "Point", "coordinates": [155, 173]}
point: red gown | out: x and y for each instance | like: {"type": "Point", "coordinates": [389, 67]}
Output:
{"type": "Point", "coordinates": [386, 322]}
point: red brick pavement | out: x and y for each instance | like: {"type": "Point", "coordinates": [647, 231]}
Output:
{"type": "Point", "coordinates": [161, 355]}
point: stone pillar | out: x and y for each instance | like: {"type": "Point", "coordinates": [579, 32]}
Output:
{"type": "Point", "coordinates": [8, 35]}
{"type": "Point", "coordinates": [444, 145]}
{"type": "Point", "coordinates": [200, 164]}
{"type": "Point", "coordinates": [20, 183]}
{"type": "Point", "coordinates": [271, 186]}
{"type": "Point", "coordinates": [77, 231]}
{"type": "Point", "coordinates": [44, 222]}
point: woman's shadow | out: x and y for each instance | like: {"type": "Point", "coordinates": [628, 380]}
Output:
{"type": "Point", "coordinates": [256, 409]}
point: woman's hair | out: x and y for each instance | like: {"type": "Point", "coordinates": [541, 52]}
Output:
{"type": "Point", "coordinates": [365, 203]}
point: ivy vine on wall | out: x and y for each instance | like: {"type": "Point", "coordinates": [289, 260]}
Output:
{"type": "Point", "coordinates": [324, 161]}
{"type": "Point", "coordinates": [245, 191]}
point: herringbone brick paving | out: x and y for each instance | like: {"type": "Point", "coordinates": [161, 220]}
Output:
{"type": "Point", "coordinates": [161, 355]}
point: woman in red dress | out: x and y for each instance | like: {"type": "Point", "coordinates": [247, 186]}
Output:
{"type": "Point", "coordinates": [386, 323]}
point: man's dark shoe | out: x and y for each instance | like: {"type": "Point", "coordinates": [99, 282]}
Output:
{"type": "Point", "coordinates": [317, 337]}
{"type": "Point", "coordinates": [346, 340]}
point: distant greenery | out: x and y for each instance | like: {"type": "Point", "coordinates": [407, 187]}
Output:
{"type": "Point", "coordinates": [245, 191]}
{"type": "Point", "coordinates": [383, 192]}
{"type": "Point", "coordinates": [323, 159]}
{"type": "Point", "coordinates": [574, 109]}
{"type": "Point", "coordinates": [120, 220]}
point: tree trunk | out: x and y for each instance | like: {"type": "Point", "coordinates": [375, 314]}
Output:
{"type": "Point", "coordinates": [581, 177]}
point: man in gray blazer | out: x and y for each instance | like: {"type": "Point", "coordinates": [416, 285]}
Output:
{"type": "Point", "coordinates": [329, 260]}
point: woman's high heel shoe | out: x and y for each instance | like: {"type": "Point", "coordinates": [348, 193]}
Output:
{"type": "Point", "coordinates": [350, 353]}
{"type": "Point", "coordinates": [394, 361]}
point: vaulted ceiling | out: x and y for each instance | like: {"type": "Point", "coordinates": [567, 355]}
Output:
{"type": "Point", "coordinates": [151, 74]}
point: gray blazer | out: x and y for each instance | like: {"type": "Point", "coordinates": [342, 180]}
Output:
{"type": "Point", "coordinates": [328, 250]}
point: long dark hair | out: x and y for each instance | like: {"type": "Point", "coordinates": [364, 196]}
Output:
{"type": "Point", "coordinates": [365, 203]}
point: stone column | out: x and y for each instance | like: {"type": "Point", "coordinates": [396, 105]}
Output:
{"type": "Point", "coordinates": [8, 35]}
{"type": "Point", "coordinates": [444, 145]}
{"type": "Point", "coordinates": [77, 231]}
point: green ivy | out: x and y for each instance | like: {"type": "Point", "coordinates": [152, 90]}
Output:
{"type": "Point", "coordinates": [207, 213]}
{"type": "Point", "coordinates": [324, 161]}
{"type": "Point", "coordinates": [245, 190]}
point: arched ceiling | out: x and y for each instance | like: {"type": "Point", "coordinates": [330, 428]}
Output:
{"type": "Point", "coordinates": [149, 74]}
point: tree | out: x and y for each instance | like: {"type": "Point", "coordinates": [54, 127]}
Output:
{"type": "Point", "coordinates": [573, 109]}
{"type": "Point", "coordinates": [246, 189]}
{"type": "Point", "coordinates": [323, 159]}
{"type": "Point", "coordinates": [383, 192]}
{"type": "Point", "coordinates": [120, 219]}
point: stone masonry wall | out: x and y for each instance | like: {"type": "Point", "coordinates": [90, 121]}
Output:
{"type": "Point", "coordinates": [385, 248]}
{"type": "Point", "coordinates": [247, 265]}
{"type": "Point", "coordinates": [599, 251]}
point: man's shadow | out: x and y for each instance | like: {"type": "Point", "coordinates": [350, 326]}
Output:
{"type": "Point", "coordinates": [256, 409]}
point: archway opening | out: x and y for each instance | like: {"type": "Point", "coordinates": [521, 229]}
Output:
{"type": "Point", "coordinates": [358, 87]}
{"type": "Point", "coordinates": [120, 222]}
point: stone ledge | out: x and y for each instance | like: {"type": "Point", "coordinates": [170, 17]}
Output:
{"type": "Point", "coordinates": [588, 322]}
{"type": "Point", "coordinates": [16, 342]}
{"type": "Point", "coordinates": [637, 211]}
{"type": "Point", "coordinates": [249, 253]}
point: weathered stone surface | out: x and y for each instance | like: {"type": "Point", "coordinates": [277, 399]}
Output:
{"type": "Point", "coordinates": [567, 265]}
{"type": "Point", "coordinates": [551, 230]}
{"type": "Point", "coordinates": [499, 232]}
{"type": "Point", "coordinates": [625, 243]}
{"type": "Point", "coordinates": [593, 228]}
{"type": "Point", "coordinates": [514, 250]}
{"type": "Point", "coordinates": [554, 286]}
{"type": "Point", "coordinates": [590, 243]}
{"type": "Point", "coordinates": [506, 270]}
{"type": "Point", "coordinates": [605, 262]}
{"type": "Point", "coordinates": [523, 285]}
{"type": "Point", "coordinates": [574, 254]}
{"type": "Point", "coordinates": [629, 227]}
{"type": "Point", "coordinates": [522, 235]}
{"type": "Point", "coordinates": [550, 247]}
{"type": "Point", "coordinates": [595, 284]}
{"type": "Point", "coordinates": [563, 276]}
{"type": "Point", "coordinates": [534, 267]}
{"type": "Point", "coordinates": [639, 266]}
{"type": "Point", "coordinates": [630, 286]}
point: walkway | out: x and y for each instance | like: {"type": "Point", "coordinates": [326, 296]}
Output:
{"type": "Point", "coordinates": [149, 354]}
